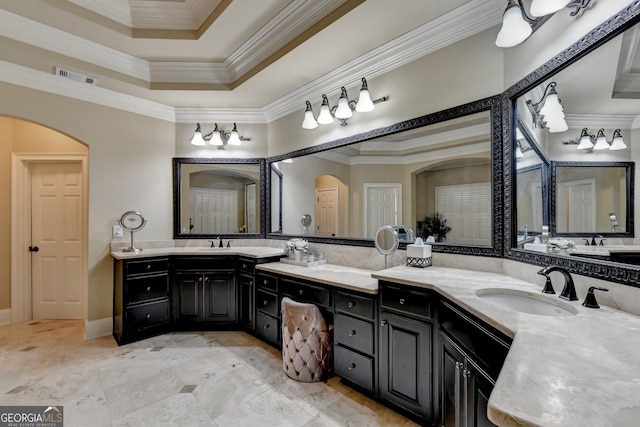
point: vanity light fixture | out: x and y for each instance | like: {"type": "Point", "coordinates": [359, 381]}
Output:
{"type": "Point", "coordinates": [548, 112]}
{"type": "Point", "coordinates": [521, 149]}
{"type": "Point", "coordinates": [218, 137]}
{"type": "Point", "coordinates": [589, 143]}
{"type": "Point", "coordinates": [343, 111]}
{"type": "Point", "coordinates": [517, 26]}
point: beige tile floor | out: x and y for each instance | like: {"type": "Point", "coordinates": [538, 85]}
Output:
{"type": "Point", "coordinates": [178, 379]}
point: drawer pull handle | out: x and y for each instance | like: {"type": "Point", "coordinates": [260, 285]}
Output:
{"type": "Point", "coordinates": [351, 304]}
{"type": "Point", "coordinates": [244, 265]}
{"type": "Point", "coordinates": [250, 282]}
{"type": "Point", "coordinates": [148, 288]}
{"type": "Point", "coordinates": [265, 282]}
{"type": "Point", "coordinates": [148, 316]}
{"type": "Point", "coordinates": [266, 326]}
{"type": "Point", "coordinates": [383, 323]}
{"type": "Point", "coordinates": [265, 303]}
{"type": "Point", "coordinates": [351, 367]}
{"type": "Point", "coordinates": [352, 333]}
{"type": "Point", "coordinates": [301, 291]}
{"type": "Point", "coordinates": [402, 301]}
{"type": "Point", "coordinates": [148, 266]}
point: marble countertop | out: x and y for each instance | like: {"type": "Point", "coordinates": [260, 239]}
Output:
{"type": "Point", "coordinates": [247, 251]}
{"type": "Point", "coordinates": [579, 370]}
{"type": "Point", "coordinates": [355, 279]}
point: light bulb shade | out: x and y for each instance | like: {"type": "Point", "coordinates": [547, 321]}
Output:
{"type": "Point", "coordinates": [365, 104]}
{"type": "Point", "coordinates": [546, 7]}
{"type": "Point", "coordinates": [585, 140]}
{"type": "Point", "coordinates": [558, 125]}
{"type": "Point", "coordinates": [515, 29]}
{"type": "Point", "coordinates": [344, 110]}
{"type": "Point", "coordinates": [325, 117]}
{"type": "Point", "coordinates": [309, 121]}
{"type": "Point", "coordinates": [618, 142]}
{"type": "Point", "coordinates": [216, 137]}
{"type": "Point", "coordinates": [197, 138]}
{"type": "Point", "coordinates": [552, 105]}
{"type": "Point", "coordinates": [234, 138]}
{"type": "Point", "coordinates": [601, 141]}
{"type": "Point", "coordinates": [519, 134]}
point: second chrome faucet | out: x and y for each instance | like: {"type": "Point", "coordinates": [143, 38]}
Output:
{"type": "Point", "coordinates": [569, 290]}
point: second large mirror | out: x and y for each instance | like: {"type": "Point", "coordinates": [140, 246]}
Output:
{"type": "Point", "coordinates": [434, 175]}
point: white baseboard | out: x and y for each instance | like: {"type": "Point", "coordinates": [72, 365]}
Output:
{"type": "Point", "coordinates": [98, 328]}
{"type": "Point", "coordinates": [5, 316]}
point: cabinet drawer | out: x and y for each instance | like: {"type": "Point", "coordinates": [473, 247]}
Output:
{"type": "Point", "coordinates": [355, 305]}
{"type": "Point", "coordinates": [354, 333]}
{"type": "Point", "coordinates": [306, 293]}
{"type": "Point", "coordinates": [246, 266]}
{"type": "Point", "coordinates": [406, 300]}
{"type": "Point", "coordinates": [267, 282]}
{"type": "Point", "coordinates": [267, 327]}
{"type": "Point", "coordinates": [145, 316]}
{"type": "Point", "coordinates": [354, 367]}
{"type": "Point", "coordinates": [204, 263]}
{"type": "Point", "coordinates": [146, 288]}
{"type": "Point", "coordinates": [144, 266]}
{"type": "Point", "coordinates": [267, 302]}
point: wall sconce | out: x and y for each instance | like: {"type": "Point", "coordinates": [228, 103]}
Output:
{"type": "Point", "coordinates": [548, 112]}
{"type": "Point", "coordinates": [218, 137]}
{"type": "Point", "coordinates": [520, 150]}
{"type": "Point", "coordinates": [343, 111]}
{"type": "Point", "coordinates": [517, 26]}
{"type": "Point", "coordinates": [589, 142]}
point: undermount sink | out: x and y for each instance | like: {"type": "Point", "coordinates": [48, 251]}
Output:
{"type": "Point", "coordinates": [526, 302]}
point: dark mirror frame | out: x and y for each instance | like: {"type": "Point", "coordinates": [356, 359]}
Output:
{"type": "Point", "coordinates": [629, 190]}
{"type": "Point", "coordinates": [179, 161]}
{"type": "Point", "coordinates": [491, 104]}
{"type": "Point", "coordinates": [620, 273]}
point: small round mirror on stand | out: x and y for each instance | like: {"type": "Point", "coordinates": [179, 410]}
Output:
{"type": "Point", "coordinates": [132, 221]}
{"type": "Point", "coordinates": [306, 222]}
{"type": "Point", "coordinates": [386, 241]}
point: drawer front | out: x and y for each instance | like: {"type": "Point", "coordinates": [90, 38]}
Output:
{"type": "Point", "coordinates": [355, 305]}
{"type": "Point", "coordinates": [354, 367]}
{"type": "Point", "coordinates": [204, 263]}
{"type": "Point", "coordinates": [146, 288]}
{"type": "Point", "coordinates": [354, 333]}
{"type": "Point", "coordinates": [409, 301]}
{"type": "Point", "coordinates": [246, 266]}
{"type": "Point", "coordinates": [306, 293]}
{"type": "Point", "coordinates": [267, 302]}
{"type": "Point", "coordinates": [267, 327]}
{"type": "Point", "coordinates": [148, 315]}
{"type": "Point", "coordinates": [145, 266]}
{"type": "Point", "coordinates": [267, 282]}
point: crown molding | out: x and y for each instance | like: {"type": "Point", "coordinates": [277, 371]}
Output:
{"type": "Point", "coordinates": [50, 83]}
{"type": "Point", "coordinates": [220, 115]}
{"type": "Point", "coordinates": [607, 121]}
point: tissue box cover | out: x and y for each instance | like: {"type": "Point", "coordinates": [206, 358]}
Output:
{"type": "Point", "coordinates": [418, 251]}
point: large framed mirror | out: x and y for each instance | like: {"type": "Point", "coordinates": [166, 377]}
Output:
{"type": "Point", "coordinates": [443, 168]}
{"type": "Point", "coordinates": [218, 198]}
{"type": "Point", "coordinates": [596, 81]}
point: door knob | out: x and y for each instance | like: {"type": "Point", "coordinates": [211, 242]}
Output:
{"type": "Point", "coordinates": [33, 249]}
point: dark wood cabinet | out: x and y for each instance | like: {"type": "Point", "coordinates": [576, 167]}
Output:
{"type": "Point", "coordinates": [140, 298]}
{"type": "Point", "coordinates": [267, 301]}
{"type": "Point", "coordinates": [204, 291]}
{"type": "Point", "coordinates": [406, 349]}
{"type": "Point", "coordinates": [469, 357]}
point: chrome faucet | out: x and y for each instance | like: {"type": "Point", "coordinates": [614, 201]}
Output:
{"type": "Point", "coordinates": [569, 290]}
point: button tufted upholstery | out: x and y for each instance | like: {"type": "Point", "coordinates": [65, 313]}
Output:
{"type": "Point", "coordinates": [306, 342]}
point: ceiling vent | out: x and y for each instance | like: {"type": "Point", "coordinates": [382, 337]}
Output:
{"type": "Point", "coordinates": [75, 76]}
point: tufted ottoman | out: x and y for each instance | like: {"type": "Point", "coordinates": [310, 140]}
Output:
{"type": "Point", "coordinates": [306, 342]}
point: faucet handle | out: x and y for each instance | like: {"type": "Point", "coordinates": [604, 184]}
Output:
{"type": "Point", "coordinates": [590, 299]}
{"type": "Point", "coordinates": [229, 243]}
{"type": "Point", "coordinates": [586, 242]}
{"type": "Point", "coordinates": [212, 243]}
{"type": "Point", "coordinates": [548, 287]}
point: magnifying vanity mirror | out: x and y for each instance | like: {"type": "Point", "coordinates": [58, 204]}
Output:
{"type": "Point", "coordinates": [446, 164]}
{"type": "Point", "coordinates": [596, 81]}
{"type": "Point", "coordinates": [218, 197]}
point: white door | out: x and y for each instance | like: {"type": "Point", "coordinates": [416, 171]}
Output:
{"type": "Point", "coordinates": [250, 208]}
{"type": "Point", "coordinates": [56, 230]}
{"type": "Point", "coordinates": [327, 210]}
{"type": "Point", "coordinates": [576, 206]}
{"type": "Point", "coordinates": [383, 206]}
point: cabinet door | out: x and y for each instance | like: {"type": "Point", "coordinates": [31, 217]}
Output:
{"type": "Point", "coordinates": [479, 386]}
{"type": "Point", "coordinates": [451, 384]}
{"type": "Point", "coordinates": [220, 297]}
{"type": "Point", "coordinates": [405, 363]}
{"type": "Point", "coordinates": [247, 302]}
{"type": "Point", "coordinates": [188, 297]}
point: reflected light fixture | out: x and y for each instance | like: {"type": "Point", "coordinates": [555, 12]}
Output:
{"type": "Point", "coordinates": [548, 112]}
{"type": "Point", "coordinates": [343, 111]}
{"type": "Point", "coordinates": [218, 137]}
{"type": "Point", "coordinates": [589, 142]}
{"type": "Point", "coordinates": [517, 26]}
